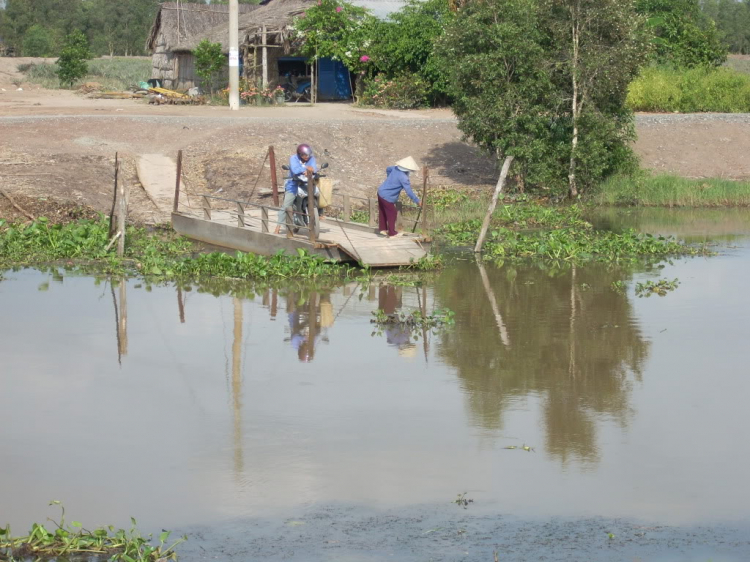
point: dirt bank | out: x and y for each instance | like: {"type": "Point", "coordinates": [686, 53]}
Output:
{"type": "Point", "coordinates": [58, 146]}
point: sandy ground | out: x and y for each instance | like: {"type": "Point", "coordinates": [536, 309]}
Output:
{"type": "Point", "coordinates": [57, 147]}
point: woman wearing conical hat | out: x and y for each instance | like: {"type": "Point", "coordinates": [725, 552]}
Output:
{"type": "Point", "coordinates": [397, 179]}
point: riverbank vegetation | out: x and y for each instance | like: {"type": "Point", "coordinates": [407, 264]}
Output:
{"type": "Point", "coordinates": [72, 540]}
{"type": "Point", "coordinates": [533, 231]}
{"type": "Point", "coordinates": [155, 254]}
{"type": "Point", "coordinates": [648, 190]}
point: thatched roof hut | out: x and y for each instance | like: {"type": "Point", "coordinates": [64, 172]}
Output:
{"type": "Point", "coordinates": [277, 17]}
{"type": "Point", "coordinates": [179, 27]}
{"type": "Point", "coordinates": [177, 30]}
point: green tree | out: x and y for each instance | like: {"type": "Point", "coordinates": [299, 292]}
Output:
{"type": "Point", "coordinates": [72, 61]}
{"type": "Point", "coordinates": [340, 31]}
{"type": "Point", "coordinates": [596, 49]}
{"type": "Point", "coordinates": [685, 37]}
{"type": "Point", "coordinates": [406, 43]}
{"type": "Point", "coordinates": [209, 61]}
{"type": "Point", "coordinates": [501, 84]}
{"type": "Point", "coordinates": [37, 42]}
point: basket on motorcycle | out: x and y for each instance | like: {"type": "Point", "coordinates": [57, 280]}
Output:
{"type": "Point", "coordinates": [325, 188]}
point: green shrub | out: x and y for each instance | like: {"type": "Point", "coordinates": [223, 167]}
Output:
{"type": "Point", "coordinates": [37, 42]}
{"type": "Point", "coordinates": [71, 65]}
{"type": "Point", "coordinates": [690, 90]}
{"type": "Point", "coordinates": [406, 91]}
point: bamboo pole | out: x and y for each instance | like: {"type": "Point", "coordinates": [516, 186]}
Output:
{"type": "Point", "coordinates": [177, 183]}
{"type": "Point", "coordinates": [311, 206]}
{"type": "Point", "coordinates": [274, 177]}
{"type": "Point", "coordinates": [112, 212]}
{"type": "Point", "coordinates": [493, 203]}
{"type": "Point", "coordinates": [425, 175]}
{"type": "Point", "coordinates": [122, 216]}
{"type": "Point", "coordinates": [265, 58]}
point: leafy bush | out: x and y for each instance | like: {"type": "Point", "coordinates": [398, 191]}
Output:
{"type": "Point", "coordinates": [406, 43]}
{"type": "Point", "coordinates": [406, 91]}
{"type": "Point", "coordinates": [209, 61]}
{"type": "Point", "coordinates": [690, 90]}
{"type": "Point", "coordinates": [37, 42]}
{"type": "Point", "coordinates": [71, 65]}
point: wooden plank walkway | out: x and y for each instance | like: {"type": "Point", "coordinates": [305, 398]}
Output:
{"type": "Point", "coordinates": [358, 242]}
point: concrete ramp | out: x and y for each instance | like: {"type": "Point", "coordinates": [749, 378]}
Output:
{"type": "Point", "coordinates": [157, 174]}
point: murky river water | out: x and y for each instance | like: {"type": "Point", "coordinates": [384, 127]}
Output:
{"type": "Point", "coordinates": [280, 427]}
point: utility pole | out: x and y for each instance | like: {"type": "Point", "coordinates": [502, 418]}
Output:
{"type": "Point", "coordinates": [234, 55]}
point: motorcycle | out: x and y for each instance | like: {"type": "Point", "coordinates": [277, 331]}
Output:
{"type": "Point", "coordinates": [296, 90]}
{"type": "Point", "coordinates": [300, 215]}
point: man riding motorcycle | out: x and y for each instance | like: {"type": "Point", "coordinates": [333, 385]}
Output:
{"type": "Point", "coordinates": [299, 164]}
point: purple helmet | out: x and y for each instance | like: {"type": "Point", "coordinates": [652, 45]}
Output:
{"type": "Point", "coordinates": [304, 150]}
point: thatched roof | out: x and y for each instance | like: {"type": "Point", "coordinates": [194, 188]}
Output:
{"type": "Point", "coordinates": [180, 27]}
{"type": "Point", "coordinates": [276, 15]}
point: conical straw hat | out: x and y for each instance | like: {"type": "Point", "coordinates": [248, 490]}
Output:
{"type": "Point", "coordinates": [409, 163]}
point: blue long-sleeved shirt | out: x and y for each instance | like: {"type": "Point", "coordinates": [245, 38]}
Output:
{"type": "Point", "coordinates": [297, 167]}
{"type": "Point", "coordinates": [397, 180]}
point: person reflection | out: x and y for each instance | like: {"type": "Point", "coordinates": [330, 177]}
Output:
{"type": "Point", "coordinates": [390, 299]}
{"type": "Point", "coordinates": [309, 319]}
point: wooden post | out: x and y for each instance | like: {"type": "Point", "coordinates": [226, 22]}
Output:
{"type": "Point", "coordinates": [312, 80]}
{"type": "Point", "coordinates": [240, 214]}
{"type": "Point", "coordinates": [493, 203]}
{"type": "Point", "coordinates": [274, 179]}
{"type": "Point", "coordinates": [373, 204]}
{"type": "Point", "coordinates": [311, 206]}
{"type": "Point", "coordinates": [122, 215]}
{"type": "Point", "coordinates": [347, 207]}
{"type": "Point", "coordinates": [112, 229]}
{"type": "Point", "coordinates": [264, 219]}
{"type": "Point", "coordinates": [122, 325]}
{"type": "Point", "coordinates": [265, 57]}
{"type": "Point", "coordinates": [177, 184]}
{"type": "Point", "coordinates": [180, 305]}
{"type": "Point", "coordinates": [206, 208]}
{"type": "Point", "coordinates": [289, 223]}
{"type": "Point", "coordinates": [422, 212]}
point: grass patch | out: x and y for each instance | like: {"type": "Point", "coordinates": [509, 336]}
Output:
{"type": "Point", "coordinates": [116, 74]}
{"type": "Point", "coordinates": [672, 191]}
{"type": "Point", "coordinates": [531, 230]}
{"type": "Point", "coordinates": [694, 90]}
{"type": "Point", "coordinates": [162, 255]}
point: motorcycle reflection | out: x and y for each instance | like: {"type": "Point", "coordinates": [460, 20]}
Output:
{"type": "Point", "coordinates": [309, 319]}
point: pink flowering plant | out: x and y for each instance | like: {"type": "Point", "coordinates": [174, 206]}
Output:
{"type": "Point", "coordinates": [338, 30]}
{"type": "Point", "coordinates": [256, 94]}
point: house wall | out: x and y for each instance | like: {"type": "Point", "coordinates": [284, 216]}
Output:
{"type": "Point", "coordinates": [163, 63]}
{"type": "Point", "coordinates": [253, 68]}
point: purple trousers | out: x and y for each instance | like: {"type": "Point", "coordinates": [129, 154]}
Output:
{"type": "Point", "coordinates": [387, 216]}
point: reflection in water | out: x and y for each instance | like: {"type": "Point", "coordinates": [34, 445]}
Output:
{"type": "Point", "coordinates": [121, 316]}
{"type": "Point", "coordinates": [310, 315]}
{"type": "Point", "coordinates": [575, 345]}
{"type": "Point", "coordinates": [239, 464]}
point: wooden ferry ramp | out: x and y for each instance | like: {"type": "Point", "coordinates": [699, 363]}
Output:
{"type": "Point", "coordinates": [249, 227]}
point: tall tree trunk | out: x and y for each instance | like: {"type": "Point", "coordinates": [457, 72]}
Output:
{"type": "Point", "coordinates": [572, 187]}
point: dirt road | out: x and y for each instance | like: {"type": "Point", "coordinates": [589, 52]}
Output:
{"type": "Point", "coordinates": [57, 147]}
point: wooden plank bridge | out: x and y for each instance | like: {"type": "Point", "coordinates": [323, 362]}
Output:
{"type": "Point", "coordinates": [249, 227]}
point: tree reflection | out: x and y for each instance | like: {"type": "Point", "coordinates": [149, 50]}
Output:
{"type": "Point", "coordinates": [563, 335]}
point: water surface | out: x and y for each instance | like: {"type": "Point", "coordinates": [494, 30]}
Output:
{"type": "Point", "coordinates": [191, 410]}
